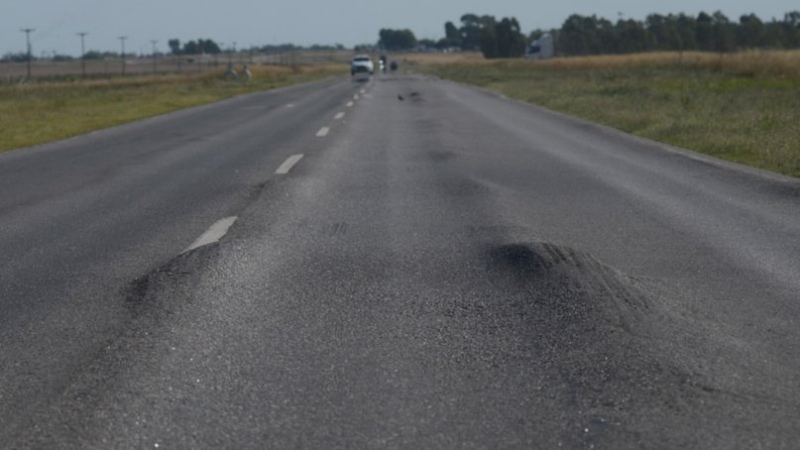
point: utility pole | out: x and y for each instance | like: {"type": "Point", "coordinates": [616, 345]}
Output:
{"type": "Point", "coordinates": [122, 55]}
{"type": "Point", "coordinates": [154, 42]}
{"type": "Point", "coordinates": [28, 32]}
{"type": "Point", "coordinates": [83, 34]}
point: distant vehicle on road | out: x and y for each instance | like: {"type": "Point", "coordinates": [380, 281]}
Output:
{"type": "Point", "coordinates": [362, 64]}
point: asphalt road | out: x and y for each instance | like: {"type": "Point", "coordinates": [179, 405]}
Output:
{"type": "Point", "coordinates": [442, 268]}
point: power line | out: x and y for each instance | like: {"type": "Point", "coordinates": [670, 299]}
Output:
{"type": "Point", "coordinates": [83, 34]}
{"type": "Point", "coordinates": [122, 55]}
{"type": "Point", "coordinates": [28, 32]}
{"type": "Point", "coordinates": [154, 42]}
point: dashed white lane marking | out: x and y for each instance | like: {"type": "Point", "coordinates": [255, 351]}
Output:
{"type": "Point", "coordinates": [355, 97]}
{"type": "Point", "coordinates": [363, 91]}
{"type": "Point", "coordinates": [288, 164]}
{"type": "Point", "coordinates": [350, 104]}
{"type": "Point", "coordinates": [214, 234]}
{"type": "Point", "coordinates": [323, 132]}
{"type": "Point", "coordinates": [290, 105]}
{"type": "Point", "coordinates": [339, 116]}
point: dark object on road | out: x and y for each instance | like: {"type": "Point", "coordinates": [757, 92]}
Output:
{"type": "Point", "coordinates": [394, 66]}
{"type": "Point", "coordinates": [383, 64]}
{"type": "Point", "coordinates": [400, 97]}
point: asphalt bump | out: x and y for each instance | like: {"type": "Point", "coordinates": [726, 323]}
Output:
{"type": "Point", "coordinates": [574, 286]}
{"type": "Point", "coordinates": [594, 326]}
{"type": "Point", "coordinates": [164, 289]}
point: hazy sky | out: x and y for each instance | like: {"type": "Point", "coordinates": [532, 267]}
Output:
{"type": "Point", "coordinates": [305, 22]}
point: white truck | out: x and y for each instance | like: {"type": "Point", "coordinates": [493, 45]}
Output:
{"type": "Point", "coordinates": [541, 48]}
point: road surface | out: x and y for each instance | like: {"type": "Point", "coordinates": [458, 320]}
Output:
{"type": "Point", "coordinates": [402, 263]}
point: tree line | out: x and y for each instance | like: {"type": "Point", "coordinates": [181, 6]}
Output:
{"type": "Point", "coordinates": [495, 38]}
{"type": "Point", "coordinates": [394, 40]}
{"type": "Point", "coordinates": [208, 46]}
{"type": "Point", "coordinates": [195, 47]}
{"type": "Point", "coordinates": [592, 35]}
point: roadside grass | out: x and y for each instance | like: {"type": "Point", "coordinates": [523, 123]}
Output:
{"type": "Point", "coordinates": [742, 107]}
{"type": "Point", "coordinates": [36, 113]}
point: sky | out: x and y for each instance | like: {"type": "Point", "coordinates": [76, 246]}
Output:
{"type": "Point", "coordinates": [303, 22]}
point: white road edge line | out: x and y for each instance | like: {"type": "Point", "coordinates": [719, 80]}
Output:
{"type": "Point", "coordinates": [323, 132]}
{"type": "Point", "coordinates": [213, 235]}
{"type": "Point", "coordinates": [288, 164]}
{"type": "Point", "coordinates": [339, 116]}
{"type": "Point", "coordinates": [350, 104]}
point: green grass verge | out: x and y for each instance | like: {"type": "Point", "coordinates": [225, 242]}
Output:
{"type": "Point", "coordinates": [42, 112]}
{"type": "Point", "coordinates": [741, 116]}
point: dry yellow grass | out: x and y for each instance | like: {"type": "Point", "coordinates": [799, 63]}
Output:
{"type": "Point", "coordinates": [784, 63]}
{"type": "Point", "coordinates": [440, 58]}
{"type": "Point", "coordinates": [743, 107]}
{"type": "Point", "coordinates": [750, 63]}
{"type": "Point", "coordinates": [34, 113]}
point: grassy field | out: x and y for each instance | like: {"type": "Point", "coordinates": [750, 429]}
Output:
{"type": "Point", "coordinates": [743, 107]}
{"type": "Point", "coordinates": [41, 112]}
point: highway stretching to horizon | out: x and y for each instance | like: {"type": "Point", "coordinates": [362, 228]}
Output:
{"type": "Point", "coordinates": [404, 262]}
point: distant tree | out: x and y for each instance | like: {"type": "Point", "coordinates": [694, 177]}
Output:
{"type": "Point", "coordinates": [95, 55]}
{"type": "Point", "coordinates": [687, 37]}
{"type": "Point", "coordinates": [394, 40]}
{"type": "Point", "coordinates": [174, 46]}
{"type": "Point", "coordinates": [704, 32]}
{"type": "Point", "coordinates": [578, 35]}
{"type": "Point", "coordinates": [17, 57]}
{"type": "Point", "coordinates": [209, 46]}
{"type": "Point", "coordinates": [608, 38]}
{"type": "Point", "coordinates": [659, 28]}
{"type": "Point", "coordinates": [724, 33]}
{"type": "Point", "coordinates": [451, 32]}
{"type": "Point", "coordinates": [427, 44]}
{"type": "Point", "coordinates": [589, 35]}
{"type": "Point", "coordinates": [191, 48]}
{"type": "Point", "coordinates": [503, 39]}
{"type": "Point", "coordinates": [201, 46]}
{"type": "Point", "coordinates": [470, 32]}
{"type": "Point", "coordinates": [633, 37]}
{"type": "Point", "coordinates": [750, 32]}
{"type": "Point", "coordinates": [452, 37]}
{"type": "Point", "coordinates": [774, 35]}
{"type": "Point", "coordinates": [510, 40]}
{"type": "Point", "coordinates": [488, 40]}
{"type": "Point", "coordinates": [472, 27]}
{"type": "Point", "coordinates": [790, 28]}
{"type": "Point", "coordinates": [665, 32]}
